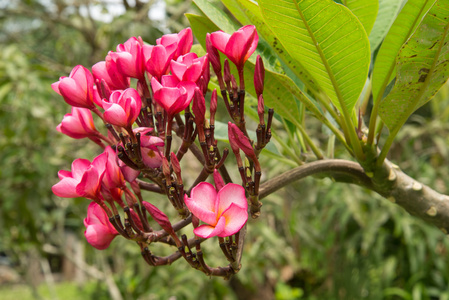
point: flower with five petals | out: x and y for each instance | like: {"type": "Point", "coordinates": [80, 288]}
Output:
{"type": "Point", "coordinates": [224, 212]}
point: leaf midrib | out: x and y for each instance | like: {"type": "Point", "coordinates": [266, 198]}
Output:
{"type": "Point", "coordinates": [323, 60]}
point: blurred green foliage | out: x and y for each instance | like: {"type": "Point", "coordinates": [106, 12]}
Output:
{"type": "Point", "coordinates": [315, 239]}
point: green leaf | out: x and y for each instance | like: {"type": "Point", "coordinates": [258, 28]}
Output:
{"type": "Point", "coordinates": [251, 13]}
{"type": "Point", "coordinates": [328, 40]}
{"type": "Point", "coordinates": [422, 68]}
{"type": "Point", "coordinates": [280, 91]}
{"type": "Point", "coordinates": [388, 10]}
{"type": "Point", "coordinates": [365, 11]}
{"type": "Point", "coordinates": [406, 22]}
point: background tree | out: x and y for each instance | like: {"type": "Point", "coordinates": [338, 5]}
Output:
{"type": "Point", "coordinates": [338, 242]}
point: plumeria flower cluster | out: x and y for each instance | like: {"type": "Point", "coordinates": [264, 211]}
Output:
{"type": "Point", "coordinates": [146, 96]}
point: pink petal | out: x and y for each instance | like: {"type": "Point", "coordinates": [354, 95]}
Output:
{"type": "Point", "coordinates": [236, 217]}
{"type": "Point", "coordinates": [178, 69]}
{"type": "Point", "coordinates": [55, 87]}
{"type": "Point", "coordinates": [151, 158]}
{"type": "Point", "coordinates": [205, 195]}
{"type": "Point", "coordinates": [73, 93]}
{"type": "Point", "coordinates": [155, 85]}
{"type": "Point", "coordinates": [219, 39]}
{"type": "Point", "coordinates": [169, 81]}
{"type": "Point", "coordinates": [89, 185]}
{"type": "Point", "coordinates": [79, 166]}
{"type": "Point", "coordinates": [98, 236]}
{"type": "Point", "coordinates": [63, 174]}
{"type": "Point", "coordinates": [66, 188]}
{"type": "Point", "coordinates": [115, 115]}
{"type": "Point", "coordinates": [231, 194]}
{"type": "Point", "coordinates": [206, 231]}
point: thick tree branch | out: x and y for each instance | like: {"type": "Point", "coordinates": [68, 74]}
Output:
{"type": "Point", "coordinates": [390, 182]}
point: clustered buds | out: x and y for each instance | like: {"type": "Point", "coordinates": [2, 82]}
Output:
{"type": "Point", "coordinates": [167, 100]}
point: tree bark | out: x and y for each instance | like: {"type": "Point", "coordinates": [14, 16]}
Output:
{"type": "Point", "coordinates": [389, 181]}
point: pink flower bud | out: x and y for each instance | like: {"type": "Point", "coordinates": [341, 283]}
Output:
{"type": "Point", "coordinates": [175, 164]}
{"type": "Point", "coordinates": [238, 140]}
{"type": "Point", "coordinates": [239, 46]}
{"type": "Point", "coordinates": [259, 76]}
{"type": "Point", "coordinates": [199, 108]}
{"type": "Point", "coordinates": [214, 56]}
{"type": "Point", "coordinates": [166, 167]}
{"type": "Point", "coordinates": [219, 183]}
{"type": "Point", "coordinates": [123, 107]}
{"type": "Point", "coordinates": [213, 106]}
{"type": "Point", "coordinates": [159, 217]}
{"type": "Point", "coordinates": [79, 124]}
{"type": "Point", "coordinates": [224, 212]}
{"type": "Point", "coordinates": [99, 231]}
{"type": "Point", "coordinates": [77, 89]}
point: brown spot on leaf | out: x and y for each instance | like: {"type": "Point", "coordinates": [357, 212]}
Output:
{"type": "Point", "coordinates": [423, 70]}
{"type": "Point", "coordinates": [433, 45]}
{"type": "Point", "coordinates": [422, 78]}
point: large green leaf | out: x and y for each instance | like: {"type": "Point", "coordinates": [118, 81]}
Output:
{"type": "Point", "coordinates": [246, 11]}
{"type": "Point", "coordinates": [388, 10]}
{"type": "Point", "coordinates": [422, 67]}
{"type": "Point", "coordinates": [328, 40]}
{"type": "Point", "coordinates": [365, 11]}
{"type": "Point", "coordinates": [280, 91]}
{"type": "Point", "coordinates": [405, 24]}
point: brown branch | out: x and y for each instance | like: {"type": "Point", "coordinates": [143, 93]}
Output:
{"type": "Point", "coordinates": [388, 181]}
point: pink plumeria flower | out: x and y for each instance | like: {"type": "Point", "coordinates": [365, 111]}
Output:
{"type": "Point", "coordinates": [123, 107]}
{"type": "Point", "coordinates": [239, 46]}
{"type": "Point", "coordinates": [113, 177]}
{"type": "Point", "coordinates": [128, 173]}
{"type": "Point", "coordinates": [177, 43]}
{"type": "Point", "coordinates": [78, 124]}
{"type": "Point", "coordinates": [173, 95]}
{"type": "Point", "coordinates": [129, 58]}
{"type": "Point", "coordinates": [77, 89]}
{"type": "Point", "coordinates": [99, 231]}
{"type": "Point", "coordinates": [151, 147]}
{"type": "Point", "coordinates": [157, 60]}
{"type": "Point", "coordinates": [189, 67]}
{"type": "Point", "coordinates": [84, 180]}
{"type": "Point", "coordinates": [108, 71]}
{"type": "Point", "coordinates": [224, 212]}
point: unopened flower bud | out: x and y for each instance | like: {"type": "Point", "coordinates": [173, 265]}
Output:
{"type": "Point", "coordinates": [239, 140]}
{"type": "Point", "coordinates": [227, 72]}
{"type": "Point", "coordinates": [213, 106]}
{"type": "Point", "coordinates": [166, 168]}
{"type": "Point", "coordinates": [175, 164]}
{"type": "Point", "coordinates": [219, 183]}
{"type": "Point", "coordinates": [261, 109]}
{"type": "Point", "coordinates": [259, 76]}
{"type": "Point", "coordinates": [199, 108]}
{"type": "Point", "coordinates": [214, 56]}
